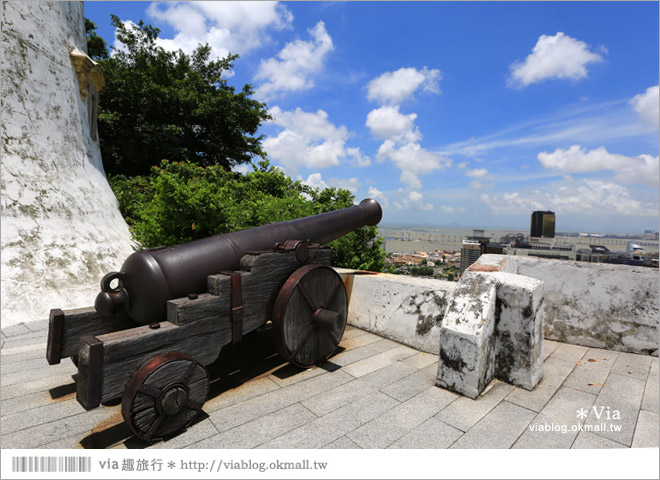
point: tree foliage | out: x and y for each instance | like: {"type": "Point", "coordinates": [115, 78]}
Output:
{"type": "Point", "coordinates": [159, 104]}
{"type": "Point", "coordinates": [180, 201]}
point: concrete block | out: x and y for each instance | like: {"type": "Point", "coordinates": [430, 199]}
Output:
{"type": "Point", "coordinates": [631, 365]}
{"type": "Point", "coordinates": [343, 443]}
{"type": "Point", "coordinates": [382, 360]}
{"type": "Point", "coordinates": [260, 430]}
{"type": "Point", "coordinates": [558, 423]}
{"type": "Point", "coordinates": [195, 433]}
{"type": "Point", "coordinates": [650, 400]}
{"type": "Point", "coordinates": [593, 440]}
{"type": "Point", "coordinates": [467, 344]}
{"type": "Point", "coordinates": [431, 434]}
{"type": "Point", "coordinates": [555, 371]}
{"type": "Point", "coordinates": [336, 424]}
{"type": "Point", "coordinates": [345, 394]}
{"type": "Point", "coordinates": [411, 385]}
{"type": "Point", "coordinates": [464, 412]}
{"type": "Point", "coordinates": [499, 429]}
{"type": "Point", "coordinates": [405, 309]}
{"type": "Point", "coordinates": [590, 373]}
{"type": "Point", "coordinates": [245, 412]}
{"type": "Point", "coordinates": [647, 431]}
{"type": "Point", "coordinates": [15, 330]}
{"type": "Point", "coordinates": [421, 360]}
{"type": "Point", "coordinates": [616, 408]}
{"type": "Point", "coordinates": [518, 329]}
{"type": "Point", "coordinates": [384, 430]}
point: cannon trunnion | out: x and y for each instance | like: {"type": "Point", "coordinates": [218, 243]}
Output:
{"type": "Point", "coordinates": [158, 368]}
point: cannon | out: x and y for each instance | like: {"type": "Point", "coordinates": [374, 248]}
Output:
{"type": "Point", "coordinates": [165, 315]}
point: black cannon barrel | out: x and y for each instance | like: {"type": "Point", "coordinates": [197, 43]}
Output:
{"type": "Point", "coordinates": [149, 278]}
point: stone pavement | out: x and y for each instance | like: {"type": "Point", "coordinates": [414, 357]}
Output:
{"type": "Point", "coordinates": [374, 393]}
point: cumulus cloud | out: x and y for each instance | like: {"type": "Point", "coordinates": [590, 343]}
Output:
{"type": "Point", "coordinates": [477, 173]}
{"type": "Point", "coordinates": [413, 161]}
{"type": "Point", "coordinates": [586, 197]}
{"type": "Point", "coordinates": [647, 105]}
{"type": "Point", "coordinates": [309, 139]}
{"type": "Point", "coordinates": [314, 180]}
{"type": "Point", "coordinates": [575, 159]}
{"type": "Point", "coordinates": [351, 184]}
{"type": "Point", "coordinates": [393, 88]}
{"type": "Point", "coordinates": [379, 196]}
{"type": "Point", "coordinates": [235, 27]}
{"type": "Point", "coordinates": [557, 56]}
{"type": "Point", "coordinates": [295, 65]}
{"type": "Point", "coordinates": [414, 200]}
{"type": "Point", "coordinates": [387, 122]}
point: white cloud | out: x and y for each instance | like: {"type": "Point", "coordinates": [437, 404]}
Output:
{"type": "Point", "coordinates": [415, 196]}
{"type": "Point", "coordinates": [642, 169]}
{"type": "Point", "coordinates": [356, 158]}
{"type": "Point", "coordinates": [413, 161]}
{"type": "Point", "coordinates": [477, 173]}
{"type": "Point", "coordinates": [586, 197]}
{"type": "Point", "coordinates": [309, 139]}
{"type": "Point", "coordinates": [414, 200]}
{"type": "Point", "coordinates": [558, 56]}
{"type": "Point", "coordinates": [351, 184]}
{"type": "Point", "coordinates": [647, 105]}
{"type": "Point", "coordinates": [379, 196]}
{"type": "Point", "coordinates": [476, 184]}
{"type": "Point", "coordinates": [235, 27]}
{"type": "Point", "coordinates": [314, 180]}
{"type": "Point", "coordinates": [447, 209]}
{"type": "Point", "coordinates": [396, 87]}
{"type": "Point", "coordinates": [295, 64]}
{"type": "Point", "coordinates": [461, 165]}
{"type": "Point", "coordinates": [388, 122]}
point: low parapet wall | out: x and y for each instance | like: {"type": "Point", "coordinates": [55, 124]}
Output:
{"type": "Point", "coordinates": [592, 304]}
{"type": "Point", "coordinates": [615, 307]}
{"type": "Point", "coordinates": [405, 309]}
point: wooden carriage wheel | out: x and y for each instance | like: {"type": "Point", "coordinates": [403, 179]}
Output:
{"type": "Point", "coordinates": [164, 395]}
{"type": "Point", "coordinates": [309, 315]}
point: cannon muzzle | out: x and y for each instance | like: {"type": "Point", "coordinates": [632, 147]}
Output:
{"type": "Point", "coordinates": [151, 277]}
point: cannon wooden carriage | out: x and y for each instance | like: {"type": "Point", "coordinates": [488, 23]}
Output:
{"type": "Point", "coordinates": [166, 315]}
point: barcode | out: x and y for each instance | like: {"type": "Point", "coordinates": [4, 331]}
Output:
{"type": "Point", "coordinates": [51, 464]}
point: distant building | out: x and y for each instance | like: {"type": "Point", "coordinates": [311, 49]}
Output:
{"type": "Point", "coordinates": [470, 252]}
{"type": "Point", "coordinates": [543, 224]}
{"type": "Point", "coordinates": [475, 246]}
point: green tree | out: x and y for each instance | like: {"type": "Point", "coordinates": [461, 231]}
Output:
{"type": "Point", "coordinates": [180, 201]}
{"type": "Point", "coordinates": [159, 104]}
{"type": "Point", "coordinates": [96, 46]}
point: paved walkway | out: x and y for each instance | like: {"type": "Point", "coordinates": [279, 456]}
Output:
{"type": "Point", "coordinates": [374, 393]}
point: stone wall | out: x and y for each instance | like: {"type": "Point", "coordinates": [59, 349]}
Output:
{"type": "Point", "coordinates": [405, 309]}
{"type": "Point", "coordinates": [615, 307]}
{"type": "Point", "coordinates": [600, 305]}
{"type": "Point", "coordinates": [61, 225]}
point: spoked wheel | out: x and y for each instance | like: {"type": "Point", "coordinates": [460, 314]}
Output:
{"type": "Point", "coordinates": [164, 395]}
{"type": "Point", "coordinates": [309, 315]}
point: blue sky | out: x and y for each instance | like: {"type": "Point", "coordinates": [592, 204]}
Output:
{"type": "Point", "coordinates": [447, 112]}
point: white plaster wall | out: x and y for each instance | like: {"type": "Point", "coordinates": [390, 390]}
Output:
{"type": "Point", "coordinates": [61, 226]}
{"type": "Point", "coordinates": [406, 309]}
{"type": "Point", "coordinates": [593, 304]}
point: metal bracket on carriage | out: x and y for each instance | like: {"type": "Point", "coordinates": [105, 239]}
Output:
{"type": "Point", "coordinates": [299, 246]}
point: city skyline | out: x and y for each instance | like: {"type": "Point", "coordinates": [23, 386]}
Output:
{"type": "Point", "coordinates": [447, 112]}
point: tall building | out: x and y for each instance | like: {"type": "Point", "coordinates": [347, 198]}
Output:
{"type": "Point", "coordinates": [543, 224]}
{"type": "Point", "coordinates": [470, 252]}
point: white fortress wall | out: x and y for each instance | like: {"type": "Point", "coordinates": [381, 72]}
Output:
{"type": "Point", "coordinates": [61, 225]}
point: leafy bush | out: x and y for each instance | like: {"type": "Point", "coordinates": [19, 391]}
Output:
{"type": "Point", "coordinates": [180, 201]}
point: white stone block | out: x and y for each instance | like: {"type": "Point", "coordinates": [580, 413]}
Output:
{"type": "Point", "coordinates": [518, 329]}
{"type": "Point", "coordinates": [467, 341]}
{"type": "Point", "coordinates": [405, 309]}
